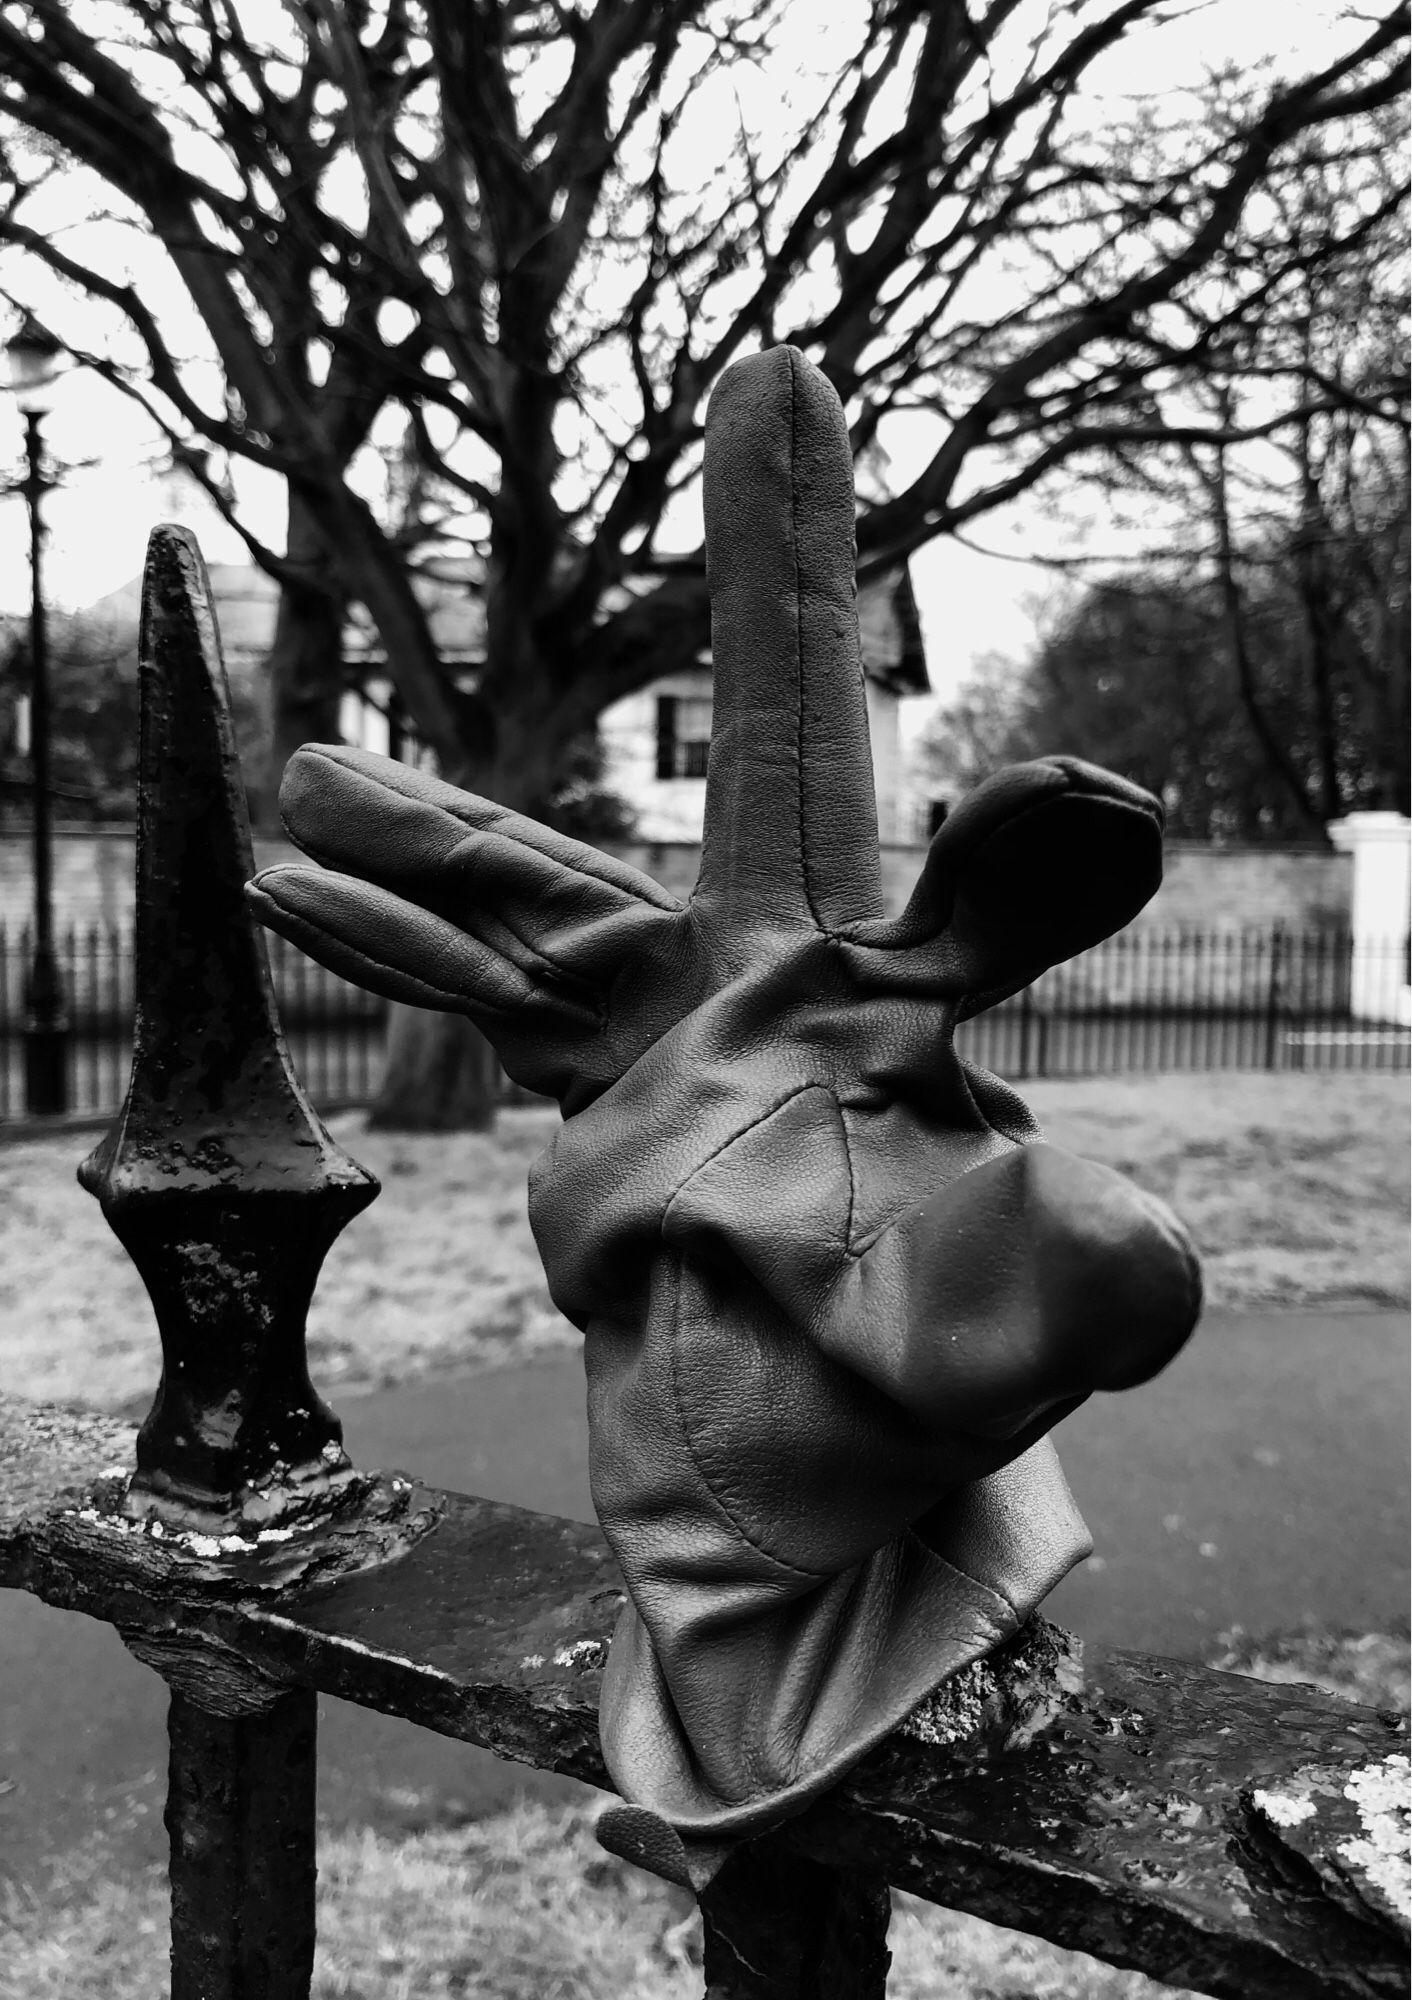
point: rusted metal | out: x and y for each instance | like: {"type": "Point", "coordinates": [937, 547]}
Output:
{"type": "Point", "coordinates": [480, 1621]}
{"type": "Point", "coordinates": [240, 1814]}
{"type": "Point", "coordinates": [1134, 1802]}
{"type": "Point", "coordinates": [218, 1176]}
{"type": "Point", "coordinates": [226, 1190]}
{"type": "Point", "coordinates": [778, 1926]}
{"type": "Point", "coordinates": [1128, 1815]}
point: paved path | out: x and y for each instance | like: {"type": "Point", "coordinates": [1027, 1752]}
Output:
{"type": "Point", "coordinates": [1262, 1481]}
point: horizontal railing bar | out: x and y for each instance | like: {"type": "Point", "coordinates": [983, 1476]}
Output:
{"type": "Point", "coordinates": [1188, 1823]}
{"type": "Point", "coordinates": [1144, 1825]}
{"type": "Point", "coordinates": [489, 1627]}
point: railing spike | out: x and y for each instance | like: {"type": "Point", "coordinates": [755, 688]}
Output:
{"type": "Point", "coordinates": [218, 1176]}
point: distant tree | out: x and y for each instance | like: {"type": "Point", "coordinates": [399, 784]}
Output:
{"type": "Point", "coordinates": [580, 804]}
{"type": "Point", "coordinates": [1139, 673]}
{"type": "Point", "coordinates": [1253, 664]}
{"type": "Point", "coordinates": [93, 705]}
{"type": "Point", "coordinates": [93, 728]}
{"type": "Point", "coordinates": [493, 220]}
{"type": "Point", "coordinates": [1305, 533]}
{"type": "Point", "coordinates": [976, 732]}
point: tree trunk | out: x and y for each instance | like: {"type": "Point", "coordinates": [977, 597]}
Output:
{"type": "Point", "coordinates": [1321, 620]}
{"type": "Point", "coordinates": [442, 1075]}
{"type": "Point", "coordinates": [305, 663]}
{"type": "Point", "coordinates": [1281, 764]}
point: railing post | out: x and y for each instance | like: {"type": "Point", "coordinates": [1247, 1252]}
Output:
{"type": "Point", "coordinates": [226, 1190]}
{"type": "Point", "coordinates": [240, 1816]}
{"type": "Point", "coordinates": [779, 1926]}
{"type": "Point", "coordinates": [1274, 998]}
{"type": "Point", "coordinates": [217, 1176]}
{"type": "Point", "coordinates": [1025, 1070]}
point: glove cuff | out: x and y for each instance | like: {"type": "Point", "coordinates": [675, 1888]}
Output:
{"type": "Point", "coordinates": [791, 1690]}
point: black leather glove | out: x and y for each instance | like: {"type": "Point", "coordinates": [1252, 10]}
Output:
{"type": "Point", "coordinates": [834, 1287]}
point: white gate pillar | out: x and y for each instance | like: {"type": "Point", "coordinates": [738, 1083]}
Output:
{"type": "Point", "coordinates": [1381, 846]}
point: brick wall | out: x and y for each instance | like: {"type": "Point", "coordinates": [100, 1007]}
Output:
{"type": "Point", "coordinates": [1204, 888]}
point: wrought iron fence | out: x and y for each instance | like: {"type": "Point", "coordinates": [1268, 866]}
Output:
{"type": "Point", "coordinates": [1146, 1000]}
{"type": "Point", "coordinates": [1150, 1000]}
{"type": "Point", "coordinates": [335, 1030]}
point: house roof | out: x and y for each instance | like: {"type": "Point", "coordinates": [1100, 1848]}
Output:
{"type": "Point", "coordinates": [247, 600]}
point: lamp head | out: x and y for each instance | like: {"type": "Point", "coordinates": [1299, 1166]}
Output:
{"type": "Point", "coordinates": [31, 355]}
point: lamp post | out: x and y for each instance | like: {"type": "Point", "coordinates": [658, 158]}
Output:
{"type": "Point", "coordinates": [31, 354]}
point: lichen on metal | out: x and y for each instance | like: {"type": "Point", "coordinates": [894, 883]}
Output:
{"type": "Point", "coordinates": [1008, 1698]}
{"type": "Point", "coordinates": [218, 1176]}
{"type": "Point", "coordinates": [1352, 1828]}
{"type": "Point", "coordinates": [1382, 1851]}
{"type": "Point", "coordinates": [1284, 1808]}
{"type": "Point", "coordinates": [371, 1518]}
{"type": "Point", "coordinates": [582, 1656]}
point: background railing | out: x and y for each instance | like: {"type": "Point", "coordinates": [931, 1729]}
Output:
{"type": "Point", "coordinates": [1144, 1001]}
{"type": "Point", "coordinates": [1151, 1000]}
{"type": "Point", "coordinates": [335, 1030]}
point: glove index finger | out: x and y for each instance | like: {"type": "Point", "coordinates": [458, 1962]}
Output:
{"type": "Point", "coordinates": [791, 823]}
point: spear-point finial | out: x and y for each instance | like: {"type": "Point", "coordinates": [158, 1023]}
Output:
{"type": "Point", "coordinates": [218, 1176]}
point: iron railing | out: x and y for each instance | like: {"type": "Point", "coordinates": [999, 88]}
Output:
{"type": "Point", "coordinates": [1212, 1831]}
{"type": "Point", "coordinates": [1146, 1000]}
{"type": "Point", "coordinates": [1150, 1000]}
{"type": "Point", "coordinates": [335, 1031]}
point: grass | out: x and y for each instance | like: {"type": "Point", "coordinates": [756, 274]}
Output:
{"type": "Point", "coordinates": [522, 1907]}
{"type": "Point", "coordinates": [440, 1273]}
{"type": "Point", "coordinates": [1295, 1187]}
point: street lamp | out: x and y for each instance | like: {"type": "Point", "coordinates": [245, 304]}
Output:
{"type": "Point", "coordinates": [32, 354]}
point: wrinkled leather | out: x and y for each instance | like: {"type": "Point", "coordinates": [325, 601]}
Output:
{"type": "Point", "coordinates": [834, 1287]}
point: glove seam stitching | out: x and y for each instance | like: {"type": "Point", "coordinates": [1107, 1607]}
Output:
{"type": "Point", "coordinates": [951, 1563]}
{"type": "Point", "coordinates": [794, 496]}
{"type": "Point", "coordinates": [852, 1185]}
{"type": "Point", "coordinates": [718, 1499]}
{"type": "Point", "coordinates": [762, 1118]}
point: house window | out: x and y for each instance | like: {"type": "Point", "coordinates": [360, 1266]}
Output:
{"type": "Point", "coordinates": [683, 735]}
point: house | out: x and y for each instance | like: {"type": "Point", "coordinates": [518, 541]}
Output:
{"type": "Point", "coordinates": [654, 742]}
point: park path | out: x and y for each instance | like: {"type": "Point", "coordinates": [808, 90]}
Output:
{"type": "Point", "coordinates": [1262, 1481]}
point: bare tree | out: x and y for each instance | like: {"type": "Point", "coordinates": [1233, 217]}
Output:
{"type": "Point", "coordinates": [1135, 672]}
{"type": "Point", "coordinates": [493, 216]}
{"type": "Point", "coordinates": [1251, 661]}
{"type": "Point", "coordinates": [1333, 508]}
